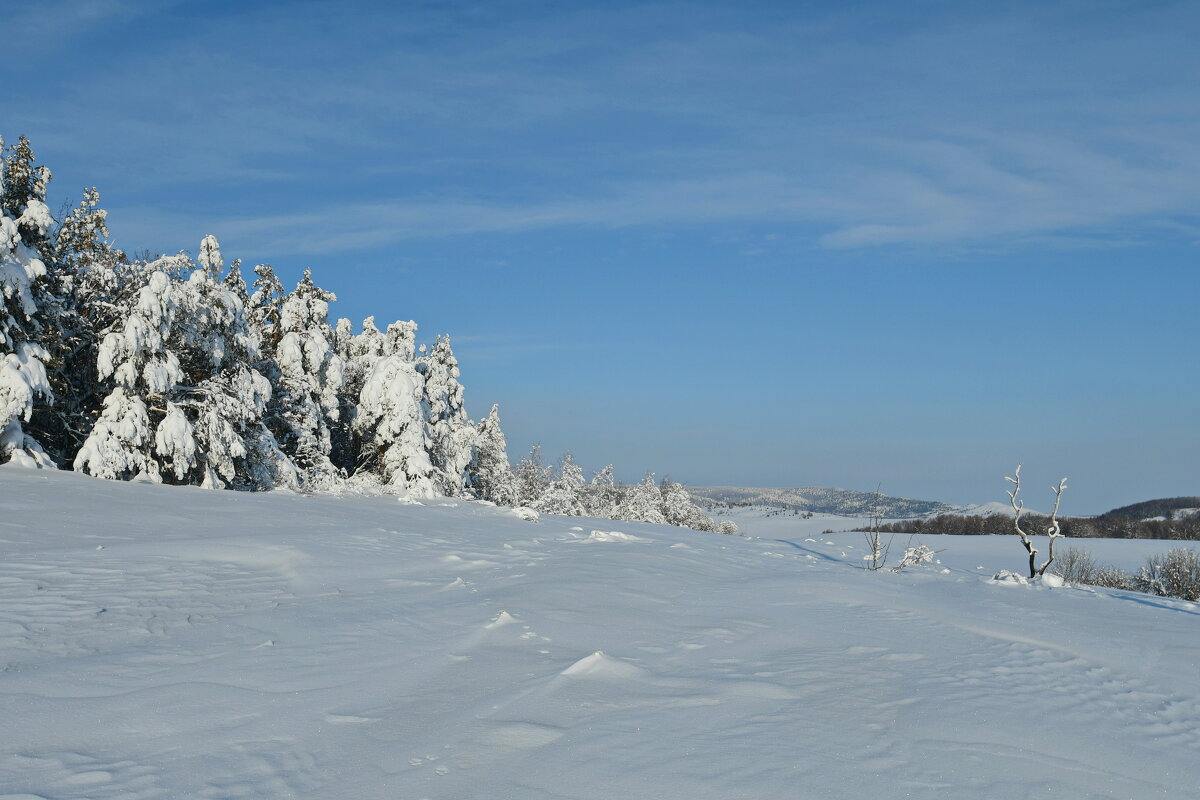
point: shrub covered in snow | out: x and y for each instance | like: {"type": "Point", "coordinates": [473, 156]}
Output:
{"type": "Point", "coordinates": [1173, 574]}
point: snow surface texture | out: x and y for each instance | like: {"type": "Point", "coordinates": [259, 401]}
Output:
{"type": "Point", "coordinates": [160, 642]}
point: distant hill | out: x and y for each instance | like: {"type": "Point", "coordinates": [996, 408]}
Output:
{"type": "Point", "coordinates": [818, 500]}
{"type": "Point", "coordinates": [1167, 508]}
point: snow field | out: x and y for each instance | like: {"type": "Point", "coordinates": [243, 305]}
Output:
{"type": "Point", "coordinates": [160, 642]}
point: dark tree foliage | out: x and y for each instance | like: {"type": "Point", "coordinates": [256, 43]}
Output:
{"type": "Point", "coordinates": [1163, 507]}
{"type": "Point", "coordinates": [1102, 527]}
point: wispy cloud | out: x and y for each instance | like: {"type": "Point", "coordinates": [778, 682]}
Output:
{"type": "Point", "coordinates": [899, 191]}
{"type": "Point", "coordinates": [865, 126]}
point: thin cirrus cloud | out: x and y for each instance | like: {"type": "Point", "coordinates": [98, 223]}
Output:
{"type": "Point", "coordinates": [921, 192]}
{"type": "Point", "coordinates": [865, 127]}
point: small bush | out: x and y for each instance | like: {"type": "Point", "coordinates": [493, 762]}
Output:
{"type": "Point", "coordinates": [915, 555]}
{"type": "Point", "coordinates": [1078, 566]}
{"type": "Point", "coordinates": [1075, 566]}
{"type": "Point", "coordinates": [1111, 578]}
{"type": "Point", "coordinates": [1174, 574]}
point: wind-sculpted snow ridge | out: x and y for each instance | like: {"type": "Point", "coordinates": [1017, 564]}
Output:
{"type": "Point", "coordinates": [168, 642]}
{"type": "Point", "coordinates": [819, 500]}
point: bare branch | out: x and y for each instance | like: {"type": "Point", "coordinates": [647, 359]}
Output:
{"type": "Point", "coordinates": [1020, 508]}
{"type": "Point", "coordinates": [1053, 530]}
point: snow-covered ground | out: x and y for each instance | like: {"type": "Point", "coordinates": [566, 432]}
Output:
{"type": "Point", "coordinates": [164, 643]}
{"type": "Point", "coordinates": [978, 553]}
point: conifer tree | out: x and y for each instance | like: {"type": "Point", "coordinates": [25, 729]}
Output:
{"type": "Point", "coordinates": [533, 477]}
{"type": "Point", "coordinates": [265, 308]}
{"type": "Point", "coordinates": [562, 494]}
{"type": "Point", "coordinates": [641, 503]}
{"type": "Point", "coordinates": [391, 424]}
{"type": "Point", "coordinates": [185, 404]}
{"type": "Point", "coordinates": [602, 495]}
{"type": "Point", "coordinates": [310, 375]}
{"type": "Point", "coordinates": [490, 475]}
{"type": "Point", "coordinates": [678, 509]}
{"type": "Point", "coordinates": [26, 302]}
{"type": "Point", "coordinates": [134, 357]}
{"type": "Point", "coordinates": [452, 436]}
{"type": "Point", "coordinates": [96, 280]}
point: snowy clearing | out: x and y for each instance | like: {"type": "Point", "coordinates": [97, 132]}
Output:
{"type": "Point", "coordinates": [161, 642]}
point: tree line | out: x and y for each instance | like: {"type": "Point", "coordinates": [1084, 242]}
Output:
{"type": "Point", "coordinates": [177, 370]}
{"type": "Point", "coordinates": [1102, 527]}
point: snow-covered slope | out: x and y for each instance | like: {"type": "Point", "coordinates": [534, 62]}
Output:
{"type": "Point", "coordinates": [165, 643]}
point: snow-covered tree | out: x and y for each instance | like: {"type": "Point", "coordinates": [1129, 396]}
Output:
{"type": "Point", "coordinates": [452, 436]}
{"type": "Point", "coordinates": [25, 302]}
{"type": "Point", "coordinates": [532, 477]}
{"type": "Point", "coordinates": [307, 383]}
{"type": "Point", "coordinates": [95, 281]}
{"type": "Point", "coordinates": [185, 405]}
{"type": "Point", "coordinates": [391, 425]}
{"type": "Point", "coordinates": [563, 494]}
{"type": "Point", "coordinates": [602, 495]}
{"type": "Point", "coordinates": [641, 503]}
{"type": "Point", "coordinates": [491, 476]}
{"type": "Point", "coordinates": [136, 358]}
{"type": "Point", "coordinates": [266, 308]}
{"type": "Point", "coordinates": [679, 509]}
{"type": "Point", "coordinates": [365, 349]}
{"type": "Point", "coordinates": [236, 283]}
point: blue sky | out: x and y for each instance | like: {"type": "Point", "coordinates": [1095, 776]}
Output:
{"type": "Point", "coordinates": [799, 243]}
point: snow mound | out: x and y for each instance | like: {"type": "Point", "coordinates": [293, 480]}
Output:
{"type": "Point", "coordinates": [601, 665]}
{"type": "Point", "coordinates": [502, 619]}
{"type": "Point", "coordinates": [613, 536]}
{"type": "Point", "coordinates": [526, 513]}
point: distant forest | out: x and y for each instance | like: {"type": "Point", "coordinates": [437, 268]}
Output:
{"type": "Point", "coordinates": [1165, 507]}
{"type": "Point", "coordinates": [1153, 519]}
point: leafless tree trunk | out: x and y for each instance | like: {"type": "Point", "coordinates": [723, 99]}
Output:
{"type": "Point", "coordinates": [879, 551]}
{"type": "Point", "coordinates": [1053, 531]}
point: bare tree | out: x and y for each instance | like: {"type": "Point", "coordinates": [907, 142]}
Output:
{"type": "Point", "coordinates": [1053, 531]}
{"type": "Point", "coordinates": [878, 554]}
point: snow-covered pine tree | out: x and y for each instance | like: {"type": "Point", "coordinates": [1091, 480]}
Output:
{"type": "Point", "coordinates": [602, 495]}
{"type": "Point", "coordinates": [641, 502]}
{"type": "Point", "coordinates": [185, 405]}
{"type": "Point", "coordinates": [391, 425]}
{"type": "Point", "coordinates": [365, 349]}
{"type": "Point", "coordinates": [229, 403]}
{"type": "Point", "coordinates": [235, 282]}
{"type": "Point", "coordinates": [359, 353]}
{"type": "Point", "coordinates": [96, 280]}
{"type": "Point", "coordinates": [490, 475]}
{"type": "Point", "coordinates": [310, 375]}
{"type": "Point", "coordinates": [452, 436]}
{"type": "Point", "coordinates": [343, 442]}
{"type": "Point", "coordinates": [401, 339]}
{"type": "Point", "coordinates": [265, 309]}
{"type": "Point", "coordinates": [562, 495]}
{"type": "Point", "coordinates": [532, 476]}
{"type": "Point", "coordinates": [26, 302]}
{"type": "Point", "coordinates": [678, 509]}
{"type": "Point", "coordinates": [135, 359]}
